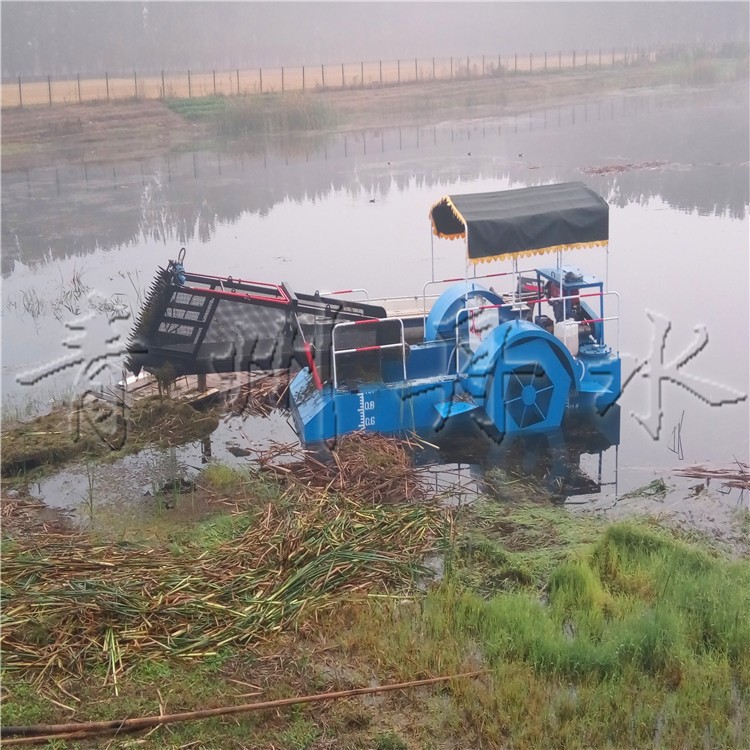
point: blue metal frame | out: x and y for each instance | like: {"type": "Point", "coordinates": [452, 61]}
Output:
{"type": "Point", "coordinates": [519, 379]}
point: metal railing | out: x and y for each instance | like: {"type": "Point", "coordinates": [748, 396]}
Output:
{"type": "Point", "coordinates": [335, 353]}
{"type": "Point", "coordinates": [467, 279]}
{"type": "Point", "coordinates": [467, 313]}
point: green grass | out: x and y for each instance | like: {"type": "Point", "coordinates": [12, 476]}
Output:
{"type": "Point", "coordinates": [259, 115]}
{"type": "Point", "coordinates": [619, 635]}
{"type": "Point", "coordinates": [198, 108]}
{"type": "Point", "coordinates": [241, 483]}
{"type": "Point", "coordinates": [633, 638]}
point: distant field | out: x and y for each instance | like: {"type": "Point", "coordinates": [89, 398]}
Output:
{"type": "Point", "coordinates": [254, 81]}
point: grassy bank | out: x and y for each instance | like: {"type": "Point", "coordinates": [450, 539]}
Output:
{"type": "Point", "coordinates": [587, 634]}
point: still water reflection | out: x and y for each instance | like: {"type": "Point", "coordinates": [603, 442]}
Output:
{"type": "Point", "coordinates": [351, 210]}
{"type": "Point", "coordinates": [688, 148]}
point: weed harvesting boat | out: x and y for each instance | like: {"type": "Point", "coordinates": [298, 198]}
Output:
{"type": "Point", "coordinates": [515, 362]}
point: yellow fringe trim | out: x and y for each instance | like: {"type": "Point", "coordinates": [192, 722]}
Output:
{"type": "Point", "coordinates": [540, 251]}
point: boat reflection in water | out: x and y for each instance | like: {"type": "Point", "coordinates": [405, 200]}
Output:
{"type": "Point", "coordinates": [580, 458]}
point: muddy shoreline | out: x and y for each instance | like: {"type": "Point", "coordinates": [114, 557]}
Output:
{"type": "Point", "coordinates": [117, 131]}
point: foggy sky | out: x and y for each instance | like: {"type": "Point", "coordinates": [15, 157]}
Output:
{"type": "Point", "coordinates": [65, 38]}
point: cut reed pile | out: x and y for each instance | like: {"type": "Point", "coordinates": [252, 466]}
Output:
{"type": "Point", "coordinates": [69, 608]}
{"type": "Point", "coordinates": [366, 466]}
{"type": "Point", "coordinates": [262, 395]}
{"type": "Point", "coordinates": [21, 516]}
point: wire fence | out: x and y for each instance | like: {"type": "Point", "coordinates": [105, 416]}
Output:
{"type": "Point", "coordinates": [51, 90]}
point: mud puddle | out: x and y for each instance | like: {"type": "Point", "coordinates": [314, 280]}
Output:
{"type": "Point", "coordinates": [150, 480]}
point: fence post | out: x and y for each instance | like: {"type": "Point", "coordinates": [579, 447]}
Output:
{"type": "Point", "coordinates": [214, 72]}
{"type": "Point", "coordinates": [362, 72]}
{"type": "Point", "coordinates": [433, 68]}
{"type": "Point", "coordinates": [398, 63]}
{"type": "Point", "coordinates": [451, 68]}
{"type": "Point", "coordinates": [303, 77]}
{"type": "Point", "coordinates": [238, 81]}
{"type": "Point", "coordinates": [545, 60]}
{"type": "Point", "coordinates": [135, 84]}
{"type": "Point", "coordinates": [260, 70]}
{"type": "Point", "coordinates": [484, 73]}
{"type": "Point", "coordinates": [49, 87]}
{"type": "Point", "coordinates": [468, 71]}
{"type": "Point", "coordinates": [79, 88]}
{"type": "Point", "coordinates": [106, 81]}
{"type": "Point", "coordinates": [190, 87]}
{"type": "Point", "coordinates": [343, 80]}
{"type": "Point", "coordinates": [574, 58]}
{"type": "Point", "coordinates": [282, 79]}
{"type": "Point", "coordinates": [416, 74]}
{"type": "Point", "coordinates": [163, 87]}
{"type": "Point", "coordinates": [323, 74]}
{"type": "Point", "coordinates": [381, 72]}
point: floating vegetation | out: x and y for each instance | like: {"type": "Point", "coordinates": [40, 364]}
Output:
{"type": "Point", "coordinates": [71, 433]}
{"type": "Point", "coordinates": [657, 488]}
{"type": "Point", "coordinates": [737, 476]}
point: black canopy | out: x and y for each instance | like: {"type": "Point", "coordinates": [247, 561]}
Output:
{"type": "Point", "coordinates": [527, 221]}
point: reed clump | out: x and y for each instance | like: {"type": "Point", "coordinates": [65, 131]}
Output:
{"type": "Point", "coordinates": [271, 114]}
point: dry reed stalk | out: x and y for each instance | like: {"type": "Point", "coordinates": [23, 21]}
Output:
{"type": "Point", "coordinates": [46, 732]}
{"type": "Point", "coordinates": [70, 607]}
{"type": "Point", "coordinates": [737, 476]}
